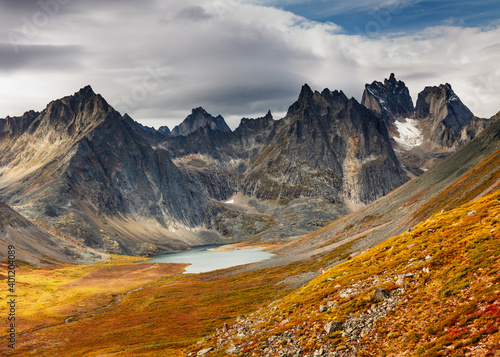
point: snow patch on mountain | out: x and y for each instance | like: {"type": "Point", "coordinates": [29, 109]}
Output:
{"type": "Point", "coordinates": [410, 135]}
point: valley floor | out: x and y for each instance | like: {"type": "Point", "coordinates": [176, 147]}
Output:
{"type": "Point", "coordinates": [124, 308]}
{"type": "Point", "coordinates": [441, 298]}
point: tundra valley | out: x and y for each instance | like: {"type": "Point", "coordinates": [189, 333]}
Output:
{"type": "Point", "coordinates": [382, 217]}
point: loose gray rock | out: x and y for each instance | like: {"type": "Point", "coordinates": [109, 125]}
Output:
{"type": "Point", "coordinates": [381, 294]}
{"type": "Point", "coordinates": [204, 351]}
{"type": "Point", "coordinates": [333, 326]}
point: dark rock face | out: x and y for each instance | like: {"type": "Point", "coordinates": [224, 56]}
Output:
{"type": "Point", "coordinates": [422, 136]}
{"type": "Point", "coordinates": [13, 127]}
{"type": "Point", "coordinates": [442, 114]}
{"type": "Point", "coordinates": [215, 172]}
{"type": "Point", "coordinates": [82, 167]}
{"type": "Point", "coordinates": [390, 100]}
{"type": "Point", "coordinates": [79, 163]}
{"type": "Point", "coordinates": [164, 130]}
{"type": "Point", "coordinates": [327, 146]}
{"type": "Point", "coordinates": [198, 119]}
{"type": "Point", "coordinates": [152, 135]}
{"type": "Point", "coordinates": [130, 177]}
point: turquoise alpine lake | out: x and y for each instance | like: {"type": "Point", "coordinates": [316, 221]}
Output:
{"type": "Point", "coordinates": [204, 259]}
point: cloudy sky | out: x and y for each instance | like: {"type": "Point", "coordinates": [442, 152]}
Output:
{"type": "Point", "coordinates": [157, 59]}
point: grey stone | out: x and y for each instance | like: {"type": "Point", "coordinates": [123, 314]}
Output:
{"type": "Point", "coordinates": [333, 326]}
{"type": "Point", "coordinates": [204, 351]}
{"type": "Point", "coordinates": [381, 294]}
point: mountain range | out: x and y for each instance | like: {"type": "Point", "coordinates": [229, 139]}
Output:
{"type": "Point", "coordinates": [383, 216]}
{"type": "Point", "coordinates": [426, 133]}
{"type": "Point", "coordinates": [82, 170]}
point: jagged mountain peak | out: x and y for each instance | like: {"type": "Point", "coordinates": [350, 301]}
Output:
{"type": "Point", "coordinates": [165, 130]}
{"type": "Point", "coordinates": [305, 93]}
{"type": "Point", "coordinates": [335, 95]}
{"type": "Point", "coordinates": [198, 118]}
{"type": "Point", "coordinates": [61, 118]}
{"type": "Point", "coordinates": [392, 79]}
{"type": "Point", "coordinates": [321, 102]}
{"type": "Point", "coordinates": [83, 100]}
{"type": "Point", "coordinates": [15, 126]}
{"type": "Point", "coordinates": [29, 113]}
{"type": "Point", "coordinates": [443, 111]}
{"type": "Point", "coordinates": [442, 100]}
{"type": "Point", "coordinates": [86, 92]}
{"type": "Point", "coordinates": [76, 113]}
{"type": "Point", "coordinates": [247, 123]}
{"type": "Point", "coordinates": [390, 100]}
{"type": "Point", "coordinates": [199, 110]}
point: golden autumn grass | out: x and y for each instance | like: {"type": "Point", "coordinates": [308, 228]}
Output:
{"type": "Point", "coordinates": [450, 306]}
{"type": "Point", "coordinates": [48, 295]}
{"type": "Point", "coordinates": [449, 311]}
{"type": "Point", "coordinates": [164, 313]}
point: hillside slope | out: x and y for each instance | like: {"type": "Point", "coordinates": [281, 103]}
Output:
{"type": "Point", "coordinates": [37, 247]}
{"type": "Point", "coordinates": [326, 156]}
{"type": "Point", "coordinates": [471, 172]}
{"type": "Point", "coordinates": [432, 291]}
{"type": "Point", "coordinates": [423, 135]}
{"type": "Point", "coordinates": [81, 167]}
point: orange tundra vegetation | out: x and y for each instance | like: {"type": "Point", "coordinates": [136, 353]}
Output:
{"type": "Point", "coordinates": [444, 277]}
{"type": "Point", "coordinates": [126, 308]}
{"type": "Point", "coordinates": [444, 281]}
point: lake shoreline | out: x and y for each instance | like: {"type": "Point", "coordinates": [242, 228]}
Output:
{"type": "Point", "coordinates": [207, 258]}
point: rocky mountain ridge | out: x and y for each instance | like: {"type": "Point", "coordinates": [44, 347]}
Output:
{"type": "Point", "coordinates": [391, 99]}
{"type": "Point", "coordinates": [80, 166]}
{"type": "Point", "coordinates": [313, 164]}
{"type": "Point", "coordinates": [425, 134]}
{"type": "Point", "coordinates": [426, 250]}
{"type": "Point", "coordinates": [119, 186]}
{"type": "Point", "coordinates": [197, 119]}
{"type": "Point", "coordinates": [327, 144]}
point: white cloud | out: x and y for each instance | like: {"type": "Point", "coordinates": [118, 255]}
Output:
{"type": "Point", "coordinates": [157, 60]}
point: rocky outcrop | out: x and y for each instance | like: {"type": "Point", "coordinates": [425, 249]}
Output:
{"type": "Point", "coordinates": [245, 142]}
{"type": "Point", "coordinates": [442, 114]}
{"type": "Point", "coordinates": [36, 246]}
{"type": "Point", "coordinates": [473, 129]}
{"type": "Point", "coordinates": [15, 126]}
{"type": "Point", "coordinates": [80, 163]}
{"type": "Point", "coordinates": [233, 340]}
{"type": "Point", "coordinates": [390, 100]}
{"type": "Point", "coordinates": [164, 130]}
{"type": "Point", "coordinates": [151, 135]}
{"type": "Point", "coordinates": [422, 136]}
{"type": "Point", "coordinates": [327, 146]}
{"type": "Point", "coordinates": [197, 119]}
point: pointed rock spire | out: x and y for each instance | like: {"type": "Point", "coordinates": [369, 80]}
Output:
{"type": "Point", "coordinates": [390, 100]}
{"type": "Point", "coordinates": [305, 94]}
{"type": "Point", "coordinates": [85, 92]}
{"type": "Point", "coordinates": [441, 105]}
{"type": "Point", "coordinates": [197, 119]}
